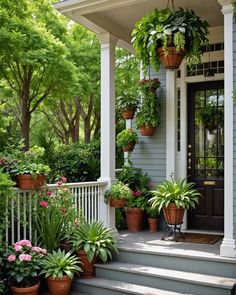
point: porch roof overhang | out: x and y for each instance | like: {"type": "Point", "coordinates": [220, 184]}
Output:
{"type": "Point", "coordinates": [119, 16]}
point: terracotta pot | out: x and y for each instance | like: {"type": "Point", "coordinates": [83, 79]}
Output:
{"type": "Point", "coordinates": [147, 130]}
{"type": "Point", "coordinates": [173, 215]}
{"type": "Point", "coordinates": [117, 203]}
{"type": "Point", "coordinates": [59, 286]}
{"type": "Point", "coordinates": [134, 218]}
{"type": "Point", "coordinates": [153, 223]}
{"type": "Point", "coordinates": [171, 58]}
{"type": "Point", "coordinates": [87, 267]}
{"type": "Point", "coordinates": [129, 147]}
{"type": "Point", "coordinates": [33, 290]}
{"type": "Point", "coordinates": [27, 182]}
{"type": "Point", "coordinates": [128, 114]}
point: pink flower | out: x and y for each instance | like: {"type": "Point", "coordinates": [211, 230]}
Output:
{"type": "Point", "coordinates": [59, 183]}
{"type": "Point", "coordinates": [49, 193]}
{"type": "Point", "coordinates": [17, 248]}
{"type": "Point", "coordinates": [39, 250]}
{"type": "Point", "coordinates": [25, 257]}
{"type": "Point", "coordinates": [43, 204]}
{"type": "Point", "coordinates": [64, 179]}
{"type": "Point", "coordinates": [11, 258]}
{"type": "Point", "coordinates": [136, 194]}
{"type": "Point", "coordinates": [23, 243]}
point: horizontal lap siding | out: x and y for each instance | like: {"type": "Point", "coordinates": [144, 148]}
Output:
{"type": "Point", "coordinates": [234, 130]}
{"type": "Point", "coordinates": [150, 153]}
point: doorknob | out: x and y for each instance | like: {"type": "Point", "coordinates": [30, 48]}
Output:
{"type": "Point", "coordinates": [189, 146]}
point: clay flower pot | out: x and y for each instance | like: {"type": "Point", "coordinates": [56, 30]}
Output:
{"type": "Point", "coordinates": [87, 266]}
{"type": "Point", "coordinates": [28, 182]}
{"type": "Point", "coordinates": [153, 223]}
{"type": "Point", "coordinates": [128, 114]}
{"type": "Point", "coordinates": [134, 218]}
{"type": "Point", "coordinates": [171, 58]}
{"type": "Point", "coordinates": [120, 203]}
{"type": "Point", "coordinates": [59, 286]}
{"type": "Point", "coordinates": [147, 130]}
{"type": "Point", "coordinates": [173, 215]}
{"type": "Point", "coordinates": [129, 147]}
{"type": "Point", "coordinates": [33, 290]}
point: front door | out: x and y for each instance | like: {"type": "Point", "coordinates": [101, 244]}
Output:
{"type": "Point", "coordinates": [205, 153]}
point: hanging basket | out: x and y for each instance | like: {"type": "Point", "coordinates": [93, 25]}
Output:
{"type": "Point", "coordinates": [148, 130]}
{"type": "Point", "coordinates": [129, 147]}
{"type": "Point", "coordinates": [128, 114]}
{"type": "Point", "coordinates": [28, 182]}
{"type": "Point", "coordinates": [171, 58]}
{"type": "Point", "coordinates": [120, 203]}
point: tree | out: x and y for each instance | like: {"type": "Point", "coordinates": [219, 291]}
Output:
{"type": "Point", "coordinates": [34, 63]}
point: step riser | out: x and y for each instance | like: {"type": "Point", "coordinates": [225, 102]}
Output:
{"type": "Point", "coordinates": [189, 264]}
{"type": "Point", "coordinates": [94, 290]}
{"type": "Point", "coordinates": [161, 283]}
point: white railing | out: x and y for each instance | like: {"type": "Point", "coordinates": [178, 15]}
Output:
{"type": "Point", "coordinates": [19, 219]}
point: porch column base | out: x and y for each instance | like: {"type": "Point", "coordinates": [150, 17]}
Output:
{"type": "Point", "coordinates": [227, 248]}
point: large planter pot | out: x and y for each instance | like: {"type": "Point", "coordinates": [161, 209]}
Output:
{"type": "Point", "coordinates": [28, 182]}
{"type": "Point", "coordinates": [134, 218]}
{"type": "Point", "coordinates": [33, 290]}
{"type": "Point", "coordinates": [171, 58]}
{"type": "Point", "coordinates": [148, 130]}
{"type": "Point", "coordinates": [173, 215]}
{"type": "Point", "coordinates": [153, 223]}
{"type": "Point", "coordinates": [59, 286]}
{"type": "Point", "coordinates": [129, 147]}
{"type": "Point", "coordinates": [87, 266]}
{"type": "Point", "coordinates": [128, 114]}
{"type": "Point", "coordinates": [120, 203]}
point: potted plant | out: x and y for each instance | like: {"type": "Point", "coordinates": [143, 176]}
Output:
{"type": "Point", "coordinates": [147, 118]}
{"type": "Point", "coordinates": [23, 266]}
{"type": "Point", "coordinates": [174, 197]}
{"type": "Point", "coordinates": [128, 102]}
{"type": "Point", "coordinates": [166, 36]}
{"type": "Point", "coordinates": [116, 195]}
{"type": "Point", "coordinates": [127, 140]}
{"type": "Point", "coordinates": [93, 241]}
{"type": "Point", "coordinates": [56, 215]}
{"type": "Point", "coordinates": [59, 268]}
{"type": "Point", "coordinates": [212, 117]}
{"type": "Point", "coordinates": [152, 219]}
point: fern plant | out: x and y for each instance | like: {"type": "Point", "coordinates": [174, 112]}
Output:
{"type": "Point", "coordinates": [181, 192]}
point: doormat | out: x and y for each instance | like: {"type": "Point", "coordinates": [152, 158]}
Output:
{"type": "Point", "coordinates": [197, 238]}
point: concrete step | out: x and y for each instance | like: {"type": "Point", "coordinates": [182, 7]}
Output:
{"type": "Point", "coordinates": [167, 279]}
{"type": "Point", "coordinates": [102, 286]}
{"type": "Point", "coordinates": [192, 261]}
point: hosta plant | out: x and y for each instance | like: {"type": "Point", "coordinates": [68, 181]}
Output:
{"type": "Point", "coordinates": [181, 192]}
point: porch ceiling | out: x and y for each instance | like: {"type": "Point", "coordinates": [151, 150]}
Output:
{"type": "Point", "coordinates": [119, 16]}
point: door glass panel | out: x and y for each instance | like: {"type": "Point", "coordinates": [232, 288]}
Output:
{"type": "Point", "coordinates": [209, 134]}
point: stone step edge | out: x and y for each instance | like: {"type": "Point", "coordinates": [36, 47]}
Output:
{"type": "Point", "coordinates": [123, 286]}
{"type": "Point", "coordinates": [189, 277]}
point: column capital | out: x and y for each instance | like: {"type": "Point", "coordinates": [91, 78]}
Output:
{"type": "Point", "coordinates": [227, 6]}
{"type": "Point", "coordinates": [107, 38]}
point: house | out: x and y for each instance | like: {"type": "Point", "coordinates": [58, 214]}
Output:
{"type": "Point", "coordinates": [210, 160]}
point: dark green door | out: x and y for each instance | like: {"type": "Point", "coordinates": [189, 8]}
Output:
{"type": "Point", "coordinates": [205, 154]}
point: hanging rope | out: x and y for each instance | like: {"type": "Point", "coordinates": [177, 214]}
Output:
{"type": "Point", "coordinates": [172, 5]}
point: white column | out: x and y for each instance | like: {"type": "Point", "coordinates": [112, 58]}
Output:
{"type": "Point", "coordinates": [171, 129]}
{"type": "Point", "coordinates": [108, 44]}
{"type": "Point", "coordinates": [228, 244]}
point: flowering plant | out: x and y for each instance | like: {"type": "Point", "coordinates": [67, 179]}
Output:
{"type": "Point", "coordinates": [23, 263]}
{"type": "Point", "coordinates": [117, 191]}
{"type": "Point", "coordinates": [138, 199]}
{"type": "Point", "coordinates": [55, 214]}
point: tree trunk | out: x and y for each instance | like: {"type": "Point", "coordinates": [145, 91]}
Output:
{"type": "Point", "coordinates": [87, 130]}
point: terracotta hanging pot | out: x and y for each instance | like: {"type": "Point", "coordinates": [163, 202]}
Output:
{"type": "Point", "coordinates": [128, 114]}
{"type": "Point", "coordinates": [129, 147]}
{"type": "Point", "coordinates": [120, 203]}
{"type": "Point", "coordinates": [148, 130]}
{"type": "Point", "coordinates": [173, 215]}
{"type": "Point", "coordinates": [153, 223]}
{"type": "Point", "coordinates": [87, 266]}
{"type": "Point", "coordinates": [134, 218]}
{"type": "Point", "coordinates": [59, 286]}
{"type": "Point", "coordinates": [28, 182]}
{"type": "Point", "coordinates": [171, 58]}
{"type": "Point", "coordinates": [33, 290]}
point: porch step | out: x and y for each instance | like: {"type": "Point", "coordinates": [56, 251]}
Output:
{"type": "Point", "coordinates": [166, 279]}
{"type": "Point", "coordinates": [178, 259]}
{"type": "Point", "coordinates": [103, 286]}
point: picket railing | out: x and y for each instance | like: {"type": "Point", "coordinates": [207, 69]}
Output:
{"type": "Point", "coordinates": [19, 219]}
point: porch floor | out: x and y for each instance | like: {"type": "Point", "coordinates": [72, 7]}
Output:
{"type": "Point", "coordinates": [152, 242]}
